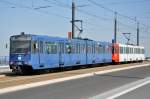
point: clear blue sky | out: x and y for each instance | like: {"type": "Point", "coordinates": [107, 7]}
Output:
{"type": "Point", "coordinates": [23, 16]}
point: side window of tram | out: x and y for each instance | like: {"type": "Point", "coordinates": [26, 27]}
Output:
{"type": "Point", "coordinates": [34, 46]}
{"type": "Point", "coordinates": [61, 47]}
{"type": "Point", "coordinates": [51, 47]}
{"type": "Point", "coordinates": [115, 50]}
{"type": "Point", "coordinates": [41, 47]}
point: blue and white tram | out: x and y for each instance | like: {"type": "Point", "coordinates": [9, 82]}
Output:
{"type": "Point", "coordinates": [34, 52]}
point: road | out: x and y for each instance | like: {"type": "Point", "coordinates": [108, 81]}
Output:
{"type": "Point", "coordinates": [140, 93]}
{"type": "Point", "coordinates": [4, 69]}
{"type": "Point", "coordinates": [81, 88]}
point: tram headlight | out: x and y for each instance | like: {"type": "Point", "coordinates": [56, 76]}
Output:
{"type": "Point", "coordinates": [11, 63]}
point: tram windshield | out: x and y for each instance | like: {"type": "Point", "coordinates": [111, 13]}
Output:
{"type": "Point", "coordinates": [22, 46]}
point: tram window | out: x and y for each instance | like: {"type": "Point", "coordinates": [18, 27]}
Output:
{"type": "Point", "coordinates": [93, 48]}
{"type": "Point", "coordinates": [110, 49]}
{"type": "Point", "coordinates": [82, 48]}
{"type": "Point", "coordinates": [116, 50]}
{"type": "Point", "coordinates": [73, 49]}
{"type": "Point", "coordinates": [51, 48]}
{"type": "Point", "coordinates": [97, 49]}
{"type": "Point", "coordinates": [34, 47]}
{"type": "Point", "coordinates": [139, 51]}
{"type": "Point", "coordinates": [143, 51]}
{"type": "Point", "coordinates": [61, 47]}
{"type": "Point", "coordinates": [89, 49]}
{"type": "Point", "coordinates": [85, 49]}
{"type": "Point", "coordinates": [79, 48]}
{"type": "Point", "coordinates": [125, 50]}
{"type": "Point", "coordinates": [129, 50]}
{"type": "Point", "coordinates": [121, 50]}
{"type": "Point", "coordinates": [106, 49]}
{"type": "Point", "coordinates": [102, 49]}
{"type": "Point", "coordinates": [41, 47]}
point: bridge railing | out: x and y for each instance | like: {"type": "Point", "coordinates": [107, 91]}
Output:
{"type": "Point", "coordinates": [4, 60]}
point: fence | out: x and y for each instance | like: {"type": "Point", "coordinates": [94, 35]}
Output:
{"type": "Point", "coordinates": [4, 60]}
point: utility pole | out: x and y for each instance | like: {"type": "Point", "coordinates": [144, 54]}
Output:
{"type": "Point", "coordinates": [115, 28]}
{"type": "Point", "coordinates": [138, 34]}
{"type": "Point", "coordinates": [73, 19]}
{"type": "Point", "coordinates": [74, 26]}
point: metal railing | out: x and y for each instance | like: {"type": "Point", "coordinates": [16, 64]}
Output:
{"type": "Point", "coordinates": [4, 60]}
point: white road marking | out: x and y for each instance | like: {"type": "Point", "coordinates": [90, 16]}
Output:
{"type": "Point", "coordinates": [31, 85]}
{"type": "Point", "coordinates": [114, 93]}
{"type": "Point", "coordinates": [94, 73]}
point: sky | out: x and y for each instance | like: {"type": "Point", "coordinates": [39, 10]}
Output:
{"type": "Point", "coordinates": [52, 17]}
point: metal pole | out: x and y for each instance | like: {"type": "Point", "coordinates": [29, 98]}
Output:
{"type": "Point", "coordinates": [138, 34]}
{"type": "Point", "coordinates": [73, 19]}
{"type": "Point", "coordinates": [115, 28]}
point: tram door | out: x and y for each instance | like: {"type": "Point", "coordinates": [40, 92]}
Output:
{"type": "Point", "coordinates": [61, 54]}
{"type": "Point", "coordinates": [41, 55]}
{"type": "Point", "coordinates": [37, 54]}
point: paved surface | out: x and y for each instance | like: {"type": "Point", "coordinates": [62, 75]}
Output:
{"type": "Point", "coordinates": [4, 70]}
{"type": "Point", "coordinates": [11, 79]}
{"type": "Point", "coordinates": [140, 93]}
{"type": "Point", "coordinates": [81, 88]}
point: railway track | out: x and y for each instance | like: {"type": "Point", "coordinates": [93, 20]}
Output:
{"type": "Point", "coordinates": [10, 79]}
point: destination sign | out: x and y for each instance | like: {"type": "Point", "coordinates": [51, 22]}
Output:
{"type": "Point", "coordinates": [21, 37]}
